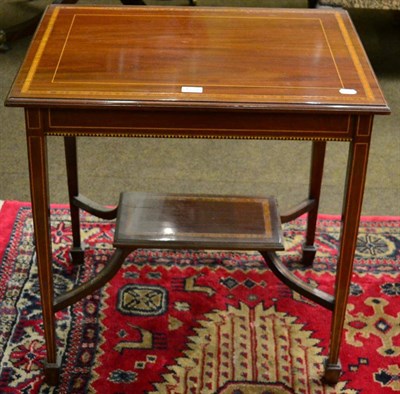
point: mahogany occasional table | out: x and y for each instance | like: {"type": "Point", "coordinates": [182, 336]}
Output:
{"type": "Point", "coordinates": [197, 73]}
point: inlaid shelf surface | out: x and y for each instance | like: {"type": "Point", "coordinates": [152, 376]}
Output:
{"type": "Point", "coordinates": [198, 221]}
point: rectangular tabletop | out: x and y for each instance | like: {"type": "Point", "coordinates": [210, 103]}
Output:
{"type": "Point", "coordinates": [197, 57]}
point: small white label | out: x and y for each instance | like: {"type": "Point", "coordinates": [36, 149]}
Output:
{"type": "Point", "coordinates": [192, 89]}
{"type": "Point", "coordinates": [348, 91]}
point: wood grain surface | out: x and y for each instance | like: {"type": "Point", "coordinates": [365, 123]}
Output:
{"type": "Point", "coordinates": [204, 57]}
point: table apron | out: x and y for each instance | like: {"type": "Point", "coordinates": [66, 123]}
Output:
{"type": "Point", "coordinates": [196, 124]}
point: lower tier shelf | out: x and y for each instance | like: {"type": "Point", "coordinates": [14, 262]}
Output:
{"type": "Point", "coordinates": [172, 221]}
{"type": "Point", "coordinates": [198, 222]}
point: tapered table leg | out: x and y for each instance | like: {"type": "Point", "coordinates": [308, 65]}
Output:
{"type": "Point", "coordinates": [37, 155]}
{"type": "Point", "coordinates": [77, 251]}
{"type": "Point", "coordinates": [355, 182]}
{"type": "Point", "coordinates": [317, 168]}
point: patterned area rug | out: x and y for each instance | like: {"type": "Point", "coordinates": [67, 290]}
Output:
{"type": "Point", "coordinates": [198, 321]}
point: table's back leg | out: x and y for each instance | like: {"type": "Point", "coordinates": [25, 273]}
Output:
{"type": "Point", "coordinates": [355, 182]}
{"type": "Point", "coordinates": [77, 250]}
{"type": "Point", "coordinates": [38, 175]}
{"type": "Point", "coordinates": [317, 168]}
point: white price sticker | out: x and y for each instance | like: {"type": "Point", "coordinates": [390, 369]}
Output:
{"type": "Point", "coordinates": [192, 89]}
{"type": "Point", "coordinates": [348, 91]}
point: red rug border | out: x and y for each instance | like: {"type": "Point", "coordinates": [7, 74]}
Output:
{"type": "Point", "coordinates": [8, 214]}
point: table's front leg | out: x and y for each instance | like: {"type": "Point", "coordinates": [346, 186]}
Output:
{"type": "Point", "coordinates": [355, 182]}
{"type": "Point", "coordinates": [37, 156]}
